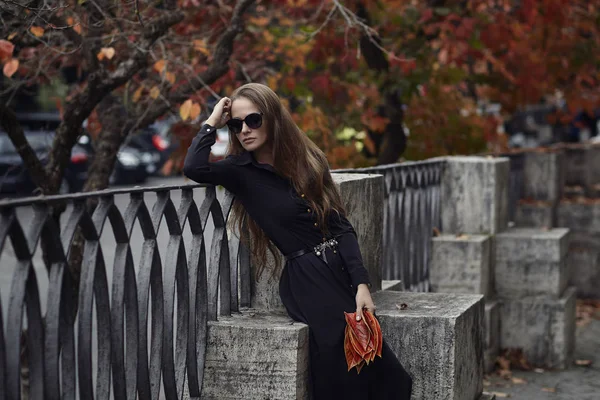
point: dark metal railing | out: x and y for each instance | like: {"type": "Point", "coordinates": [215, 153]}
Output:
{"type": "Point", "coordinates": [411, 212]}
{"type": "Point", "coordinates": [151, 325]}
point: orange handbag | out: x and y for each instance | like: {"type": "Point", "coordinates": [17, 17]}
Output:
{"type": "Point", "coordinates": [362, 340]}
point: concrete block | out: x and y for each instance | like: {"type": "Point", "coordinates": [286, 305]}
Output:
{"type": "Point", "coordinates": [538, 215]}
{"type": "Point", "coordinates": [492, 324]}
{"type": "Point", "coordinates": [544, 176]}
{"type": "Point", "coordinates": [584, 262]}
{"type": "Point", "coordinates": [489, 360]}
{"type": "Point", "coordinates": [438, 338]}
{"type": "Point", "coordinates": [461, 264]}
{"type": "Point", "coordinates": [474, 196]}
{"type": "Point", "coordinates": [581, 215]}
{"type": "Point", "coordinates": [542, 327]}
{"type": "Point", "coordinates": [582, 166]}
{"type": "Point", "coordinates": [363, 199]}
{"type": "Point", "coordinates": [531, 261]}
{"type": "Point", "coordinates": [492, 334]}
{"type": "Point", "coordinates": [395, 286]}
{"type": "Point", "coordinates": [256, 356]}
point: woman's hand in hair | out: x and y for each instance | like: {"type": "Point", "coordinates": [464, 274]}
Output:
{"type": "Point", "coordinates": [221, 113]}
{"type": "Point", "coordinates": [364, 301]}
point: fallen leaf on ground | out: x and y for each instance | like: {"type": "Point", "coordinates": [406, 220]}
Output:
{"type": "Point", "coordinates": [539, 370]}
{"type": "Point", "coordinates": [518, 381]}
{"type": "Point", "coordinates": [501, 394]}
{"type": "Point", "coordinates": [402, 306]}
{"type": "Point", "coordinates": [583, 363]}
{"type": "Point", "coordinates": [549, 390]}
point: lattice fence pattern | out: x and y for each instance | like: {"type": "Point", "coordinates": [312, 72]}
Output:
{"type": "Point", "coordinates": [151, 325]}
{"type": "Point", "coordinates": [411, 212]}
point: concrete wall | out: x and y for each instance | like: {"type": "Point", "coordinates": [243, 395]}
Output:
{"type": "Point", "coordinates": [561, 189]}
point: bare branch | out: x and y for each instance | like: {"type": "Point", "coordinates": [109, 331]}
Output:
{"type": "Point", "coordinates": [217, 68]}
{"type": "Point", "coordinates": [100, 84]}
{"type": "Point", "coordinates": [9, 122]}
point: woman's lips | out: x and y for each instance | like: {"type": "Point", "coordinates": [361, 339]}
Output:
{"type": "Point", "coordinates": [249, 140]}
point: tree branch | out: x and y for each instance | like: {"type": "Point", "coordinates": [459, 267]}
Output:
{"type": "Point", "coordinates": [217, 68]}
{"type": "Point", "coordinates": [9, 122]}
{"type": "Point", "coordinates": [100, 84]}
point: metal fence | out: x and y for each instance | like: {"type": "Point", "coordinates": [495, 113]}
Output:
{"type": "Point", "coordinates": [150, 324]}
{"type": "Point", "coordinates": [411, 212]}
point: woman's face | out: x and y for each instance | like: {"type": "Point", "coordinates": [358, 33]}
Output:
{"type": "Point", "coordinates": [251, 139]}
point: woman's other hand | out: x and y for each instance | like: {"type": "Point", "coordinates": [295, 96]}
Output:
{"type": "Point", "coordinates": [221, 113]}
{"type": "Point", "coordinates": [364, 300]}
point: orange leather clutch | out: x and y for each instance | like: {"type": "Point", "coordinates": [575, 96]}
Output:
{"type": "Point", "coordinates": [362, 340]}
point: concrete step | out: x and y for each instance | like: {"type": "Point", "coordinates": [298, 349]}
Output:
{"type": "Point", "coordinates": [438, 338]}
{"type": "Point", "coordinates": [531, 261]}
{"type": "Point", "coordinates": [256, 356]}
{"type": "Point", "coordinates": [542, 327]}
{"type": "Point", "coordinates": [461, 264]}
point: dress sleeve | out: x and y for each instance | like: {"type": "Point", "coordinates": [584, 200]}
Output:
{"type": "Point", "coordinates": [352, 257]}
{"type": "Point", "coordinates": [199, 169]}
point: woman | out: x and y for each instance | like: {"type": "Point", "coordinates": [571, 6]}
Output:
{"type": "Point", "coordinates": [286, 196]}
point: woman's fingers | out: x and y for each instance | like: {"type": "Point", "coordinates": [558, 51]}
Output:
{"type": "Point", "coordinates": [358, 313]}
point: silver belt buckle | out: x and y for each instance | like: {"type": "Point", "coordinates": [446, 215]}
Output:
{"type": "Point", "coordinates": [320, 248]}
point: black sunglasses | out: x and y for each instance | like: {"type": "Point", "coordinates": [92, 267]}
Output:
{"type": "Point", "coordinates": [253, 121]}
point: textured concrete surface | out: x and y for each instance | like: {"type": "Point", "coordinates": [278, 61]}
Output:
{"type": "Point", "coordinates": [543, 327]}
{"type": "Point", "coordinates": [474, 195]}
{"type": "Point", "coordinates": [535, 215]}
{"type": "Point", "coordinates": [584, 261]}
{"type": "Point", "coordinates": [583, 218]}
{"type": "Point", "coordinates": [575, 383]}
{"type": "Point", "coordinates": [256, 356]}
{"type": "Point", "coordinates": [543, 176]}
{"type": "Point", "coordinates": [393, 285]}
{"type": "Point", "coordinates": [531, 261]}
{"type": "Point", "coordinates": [461, 264]}
{"type": "Point", "coordinates": [492, 333]}
{"type": "Point", "coordinates": [363, 198]}
{"type": "Point", "coordinates": [582, 166]}
{"type": "Point", "coordinates": [438, 338]}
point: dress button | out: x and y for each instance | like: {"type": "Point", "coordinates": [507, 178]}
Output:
{"type": "Point", "coordinates": [316, 224]}
{"type": "Point", "coordinates": [302, 195]}
{"type": "Point", "coordinates": [308, 210]}
{"type": "Point", "coordinates": [324, 239]}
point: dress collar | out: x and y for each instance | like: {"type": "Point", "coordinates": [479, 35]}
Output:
{"type": "Point", "coordinates": [248, 158]}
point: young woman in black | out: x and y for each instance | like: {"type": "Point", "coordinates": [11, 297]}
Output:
{"type": "Point", "coordinates": [285, 195]}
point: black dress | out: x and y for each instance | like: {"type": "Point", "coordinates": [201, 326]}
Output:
{"type": "Point", "coordinates": [313, 291]}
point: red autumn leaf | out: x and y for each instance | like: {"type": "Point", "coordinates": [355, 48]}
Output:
{"type": "Point", "coordinates": [6, 50]}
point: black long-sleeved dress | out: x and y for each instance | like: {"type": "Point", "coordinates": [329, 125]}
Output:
{"type": "Point", "coordinates": [313, 291]}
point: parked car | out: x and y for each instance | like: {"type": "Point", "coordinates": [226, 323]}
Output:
{"type": "Point", "coordinates": [14, 177]}
{"type": "Point", "coordinates": [154, 149]}
{"type": "Point", "coordinates": [129, 167]}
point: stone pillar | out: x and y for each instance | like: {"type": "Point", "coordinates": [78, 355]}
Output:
{"type": "Point", "coordinates": [475, 195]}
{"type": "Point", "coordinates": [543, 183]}
{"type": "Point", "coordinates": [438, 338]}
{"type": "Point", "coordinates": [583, 218]}
{"type": "Point", "coordinates": [537, 307]}
{"type": "Point", "coordinates": [475, 198]}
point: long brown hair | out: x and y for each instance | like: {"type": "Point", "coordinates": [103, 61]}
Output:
{"type": "Point", "coordinates": [296, 158]}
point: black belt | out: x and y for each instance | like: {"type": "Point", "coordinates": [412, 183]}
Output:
{"type": "Point", "coordinates": [318, 250]}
